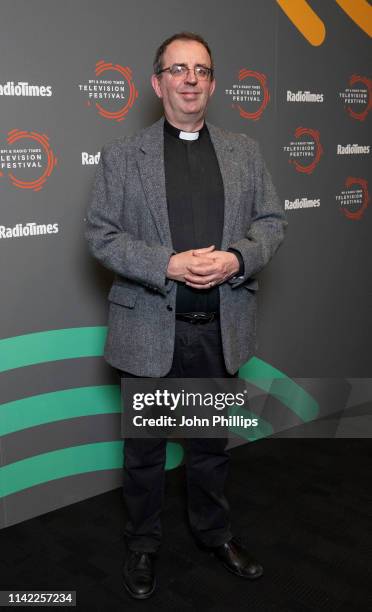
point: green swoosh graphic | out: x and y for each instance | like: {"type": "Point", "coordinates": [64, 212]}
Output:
{"type": "Point", "coordinates": [85, 401]}
{"type": "Point", "coordinates": [41, 347]}
{"type": "Point", "coordinates": [53, 345]}
{"type": "Point", "coordinates": [77, 342]}
{"type": "Point", "coordinates": [277, 384]}
{"type": "Point", "coordinates": [57, 406]}
{"type": "Point", "coordinates": [70, 462]}
{"type": "Point", "coordinates": [70, 343]}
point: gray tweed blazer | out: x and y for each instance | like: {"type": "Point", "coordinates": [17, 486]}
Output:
{"type": "Point", "coordinates": [127, 230]}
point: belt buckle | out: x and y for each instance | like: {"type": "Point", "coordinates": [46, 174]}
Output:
{"type": "Point", "coordinates": [203, 317]}
{"type": "Point", "coordinates": [198, 317]}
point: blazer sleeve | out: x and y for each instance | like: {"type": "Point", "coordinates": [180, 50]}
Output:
{"type": "Point", "coordinates": [108, 241]}
{"type": "Point", "coordinates": [268, 224]}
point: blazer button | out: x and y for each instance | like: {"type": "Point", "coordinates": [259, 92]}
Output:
{"type": "Point", "coordinates": [169, 307]}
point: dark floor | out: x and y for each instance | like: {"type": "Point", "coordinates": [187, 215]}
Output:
{"type": "Point", "coordinates": [304, 508]}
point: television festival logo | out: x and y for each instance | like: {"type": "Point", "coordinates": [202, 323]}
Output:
{"type": "Point", "coordinates": [28, 160]}
{"type": "Point", "coordinates": [305, 152]}
{"type": "Point", "coordinates": [112, 92]}
{"type": "Point", "coordinates": [250, 96]}
{"type": "Point", "coordinates": [354, 199]}
{"type": "Point", "coordinates": [357, 97]}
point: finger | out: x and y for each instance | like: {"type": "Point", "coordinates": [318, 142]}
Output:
{"type": "Point", "coordinates": [205, 281]}
{"type": "Point", "coordinates": [204, 250]}
{"type": "Point", "coordinates": [211, 255]}
{"type": "Point", "coordinates": [199, 286]}
{"type": "Point", "coordinates": [201, 262]}
{"type": "Point", "coordinates": [202, 270]}
{"type": "Point", "coordinates": [196, 286]}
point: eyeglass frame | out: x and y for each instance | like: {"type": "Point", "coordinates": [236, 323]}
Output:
{"type": "Point", "coordinates": [209, 70]}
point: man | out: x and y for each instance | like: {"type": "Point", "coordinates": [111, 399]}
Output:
{"type": "Point", "coordinates": [185, 214]}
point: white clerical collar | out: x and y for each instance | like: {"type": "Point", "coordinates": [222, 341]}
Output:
{"type": "Point", "coordinates": [188, 135]}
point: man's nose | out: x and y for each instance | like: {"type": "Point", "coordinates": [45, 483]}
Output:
{"type": "Point", "coordinates": [191, 78]}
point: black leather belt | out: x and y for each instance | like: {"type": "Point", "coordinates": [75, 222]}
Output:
{"type": "Point", "coordinates": [197, 317]}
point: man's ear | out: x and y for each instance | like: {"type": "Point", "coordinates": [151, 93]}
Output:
{"type": "Point", "coordinates": [156, 85]}
{"type": "Point", "coordinates": [212, 87]}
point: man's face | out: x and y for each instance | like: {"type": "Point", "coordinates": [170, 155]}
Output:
{"type": "Point", "coordinates": [185, 98]}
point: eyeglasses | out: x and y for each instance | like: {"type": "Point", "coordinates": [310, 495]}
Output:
{"type": "Point", "coordinates": [181, 70]}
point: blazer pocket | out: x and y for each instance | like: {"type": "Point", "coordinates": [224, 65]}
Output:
{"type": "Point", "coordinates": [122, 296]}
{"type": "Point", "coordinates": [251, 284]}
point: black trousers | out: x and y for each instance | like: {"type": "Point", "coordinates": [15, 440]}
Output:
{"type": "Point", "coordinates": [197, 354]}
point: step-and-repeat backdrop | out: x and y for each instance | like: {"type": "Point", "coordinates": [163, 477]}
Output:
{"type": "Point", "coordinates": [292, 74]}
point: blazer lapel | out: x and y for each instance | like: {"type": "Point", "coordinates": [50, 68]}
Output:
{"type": "Point", "coordinates": [230, 171]}
{"type": "Point", "coordinates": [151, 166]}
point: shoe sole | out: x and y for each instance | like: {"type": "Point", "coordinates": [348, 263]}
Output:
{"type": "Point", "coordinates": [144, 596]}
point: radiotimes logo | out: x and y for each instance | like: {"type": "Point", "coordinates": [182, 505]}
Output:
{"type": "Point", "coordinates": [30, 228]}
{"type": "Point", "coordinates": [305, 152]}
{"type": "Point", "coordinates": [112, 92]}
{"type": "Point", "coordinates": [28, 160]}
{"type": "Point", "coordinates": [304, 96]}
{"type": "Point", "coordinates": [250, 96]}
{"type": "Point", "coordinates": [301, 203]}
{"type": "Point", "coordinates": [90, 159]}
{"type": "Point", "coordinates": [353, 149]}
{"type": "Point", "coordinates": [25, 90]}
{"type": "Point", "coordinates": [357, 98]}
{"type": "Point", "coordinates": [354, 199]}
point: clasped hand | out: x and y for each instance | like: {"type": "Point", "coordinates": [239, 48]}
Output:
{"type": "Point", "coordinates": [203, 268]}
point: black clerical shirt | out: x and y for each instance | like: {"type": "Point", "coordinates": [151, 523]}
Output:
{"type": "Point", "coordinates": [195, 198]}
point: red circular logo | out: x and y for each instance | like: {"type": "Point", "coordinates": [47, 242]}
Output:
{"type": "Point", "coordinates": [126, 72]}
{"type": "Point", "coordinates": [49, 164]}
{"type": "Point", "coordinates": [261, 78]}
{"type": "Point", "coordinates": [315, 135]}
{"type": "Point", "coordinates": [356, 215]}
{"type": "Point", "coordinates": [355, 78]}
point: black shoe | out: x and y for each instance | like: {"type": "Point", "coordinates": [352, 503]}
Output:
{"type": "Point", "coordinates": [235, 557]}
{"type": "Point", "coordinates": [139, 574]}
